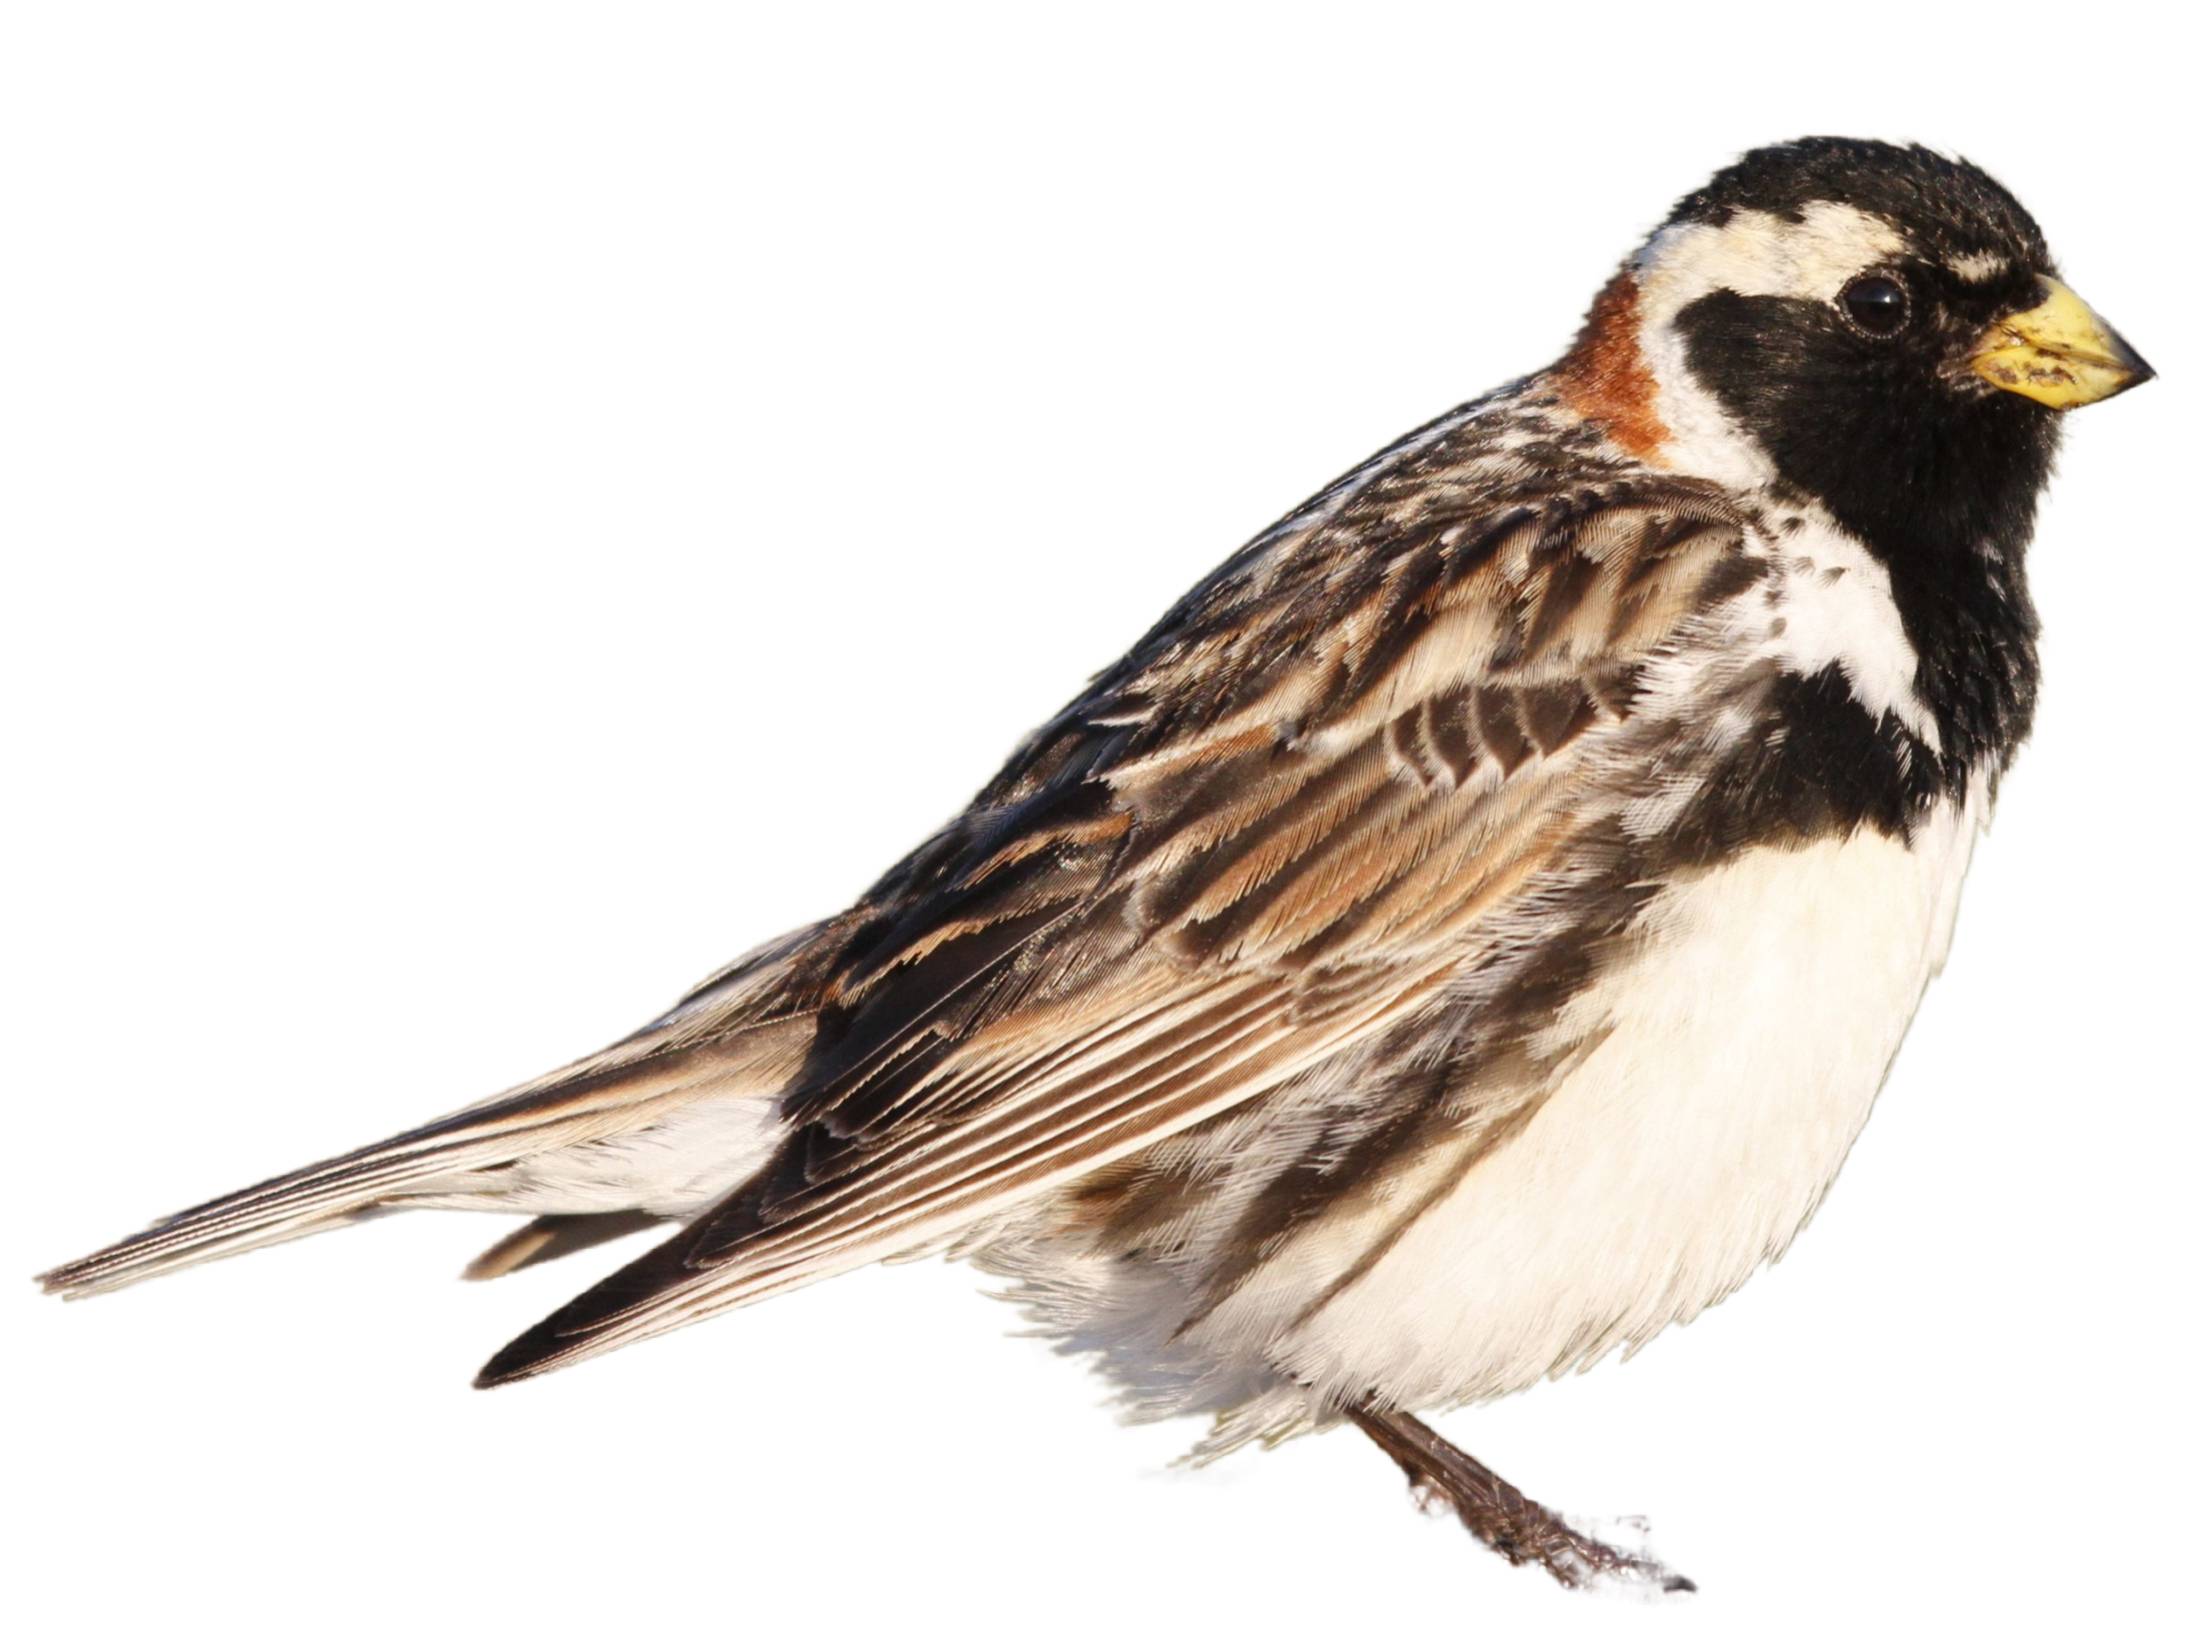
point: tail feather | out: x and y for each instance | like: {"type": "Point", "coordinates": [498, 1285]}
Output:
{"type": "Point", "coordinates": [482, 1158]}
{"type": "Point", "coordinates": [332, 1193]}
{"type": "Point", "coordinates": [653, 1122]}
{"type": "Point", "coordinates": [552, 1237]}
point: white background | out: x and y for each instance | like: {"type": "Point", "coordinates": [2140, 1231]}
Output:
{"type": "Point", "coordinates": [505, 507]}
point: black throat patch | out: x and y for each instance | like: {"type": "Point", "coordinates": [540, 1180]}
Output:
{"type": "Point", "coordinates": [1937, 481]}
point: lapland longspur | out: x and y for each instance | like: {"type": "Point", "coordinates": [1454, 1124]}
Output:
{"type": "Point", "coordinates": [1463, 937]}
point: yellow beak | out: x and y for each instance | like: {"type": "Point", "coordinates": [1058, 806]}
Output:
{"type": "Point", "coordinates": [2059, 353]}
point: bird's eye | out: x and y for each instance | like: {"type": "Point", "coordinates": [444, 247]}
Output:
{"type": "Point", "coordinates": [1876, 305]}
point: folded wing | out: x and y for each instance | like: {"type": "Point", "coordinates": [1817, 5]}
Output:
{"type": "Point", "coordinates": [1270, 832]}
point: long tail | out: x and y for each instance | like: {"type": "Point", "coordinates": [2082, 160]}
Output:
{"type": "Point", "coordinates": [659, 1124]}
{"type": "Point", "coordinates": [480, 1158]}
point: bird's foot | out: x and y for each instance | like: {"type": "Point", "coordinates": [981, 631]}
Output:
{"type": "Point", "coordinates": [1519, 1529]}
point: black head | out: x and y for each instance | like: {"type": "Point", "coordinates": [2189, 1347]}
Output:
{"type": "Point", "coordinates": [1878, 329]}
{"type": "Point", "coordinates": [1835, 297]}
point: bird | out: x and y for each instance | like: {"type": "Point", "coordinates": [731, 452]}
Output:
{"type": "Point", "coordinates": [1461, 939]}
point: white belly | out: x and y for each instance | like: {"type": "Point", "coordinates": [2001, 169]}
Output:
{"type": "Point", "coordinates": [1686, 1150]}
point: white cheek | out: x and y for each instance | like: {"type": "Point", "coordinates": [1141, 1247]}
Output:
{"type": "Point", "coordinates": [1702, 439]}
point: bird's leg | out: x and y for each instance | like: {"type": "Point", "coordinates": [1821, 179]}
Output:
{"type": "Point", "coordinates": [1499, 1516]}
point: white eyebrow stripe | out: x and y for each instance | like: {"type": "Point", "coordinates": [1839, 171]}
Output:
{"type": "Point", "coordinates": [1979, 266]}
{"type": "Point", "coordinates": [1754, 254]}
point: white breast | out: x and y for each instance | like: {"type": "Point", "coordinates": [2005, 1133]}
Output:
{"type": "Point", "coordinates": [1740, 1056]}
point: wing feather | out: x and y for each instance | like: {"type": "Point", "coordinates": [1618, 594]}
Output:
{"type": "Point", "coordinates": [1273, 830]}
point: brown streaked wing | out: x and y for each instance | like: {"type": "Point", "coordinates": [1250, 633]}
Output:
{"type": "Point", "coordinates": [1269, 832]}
